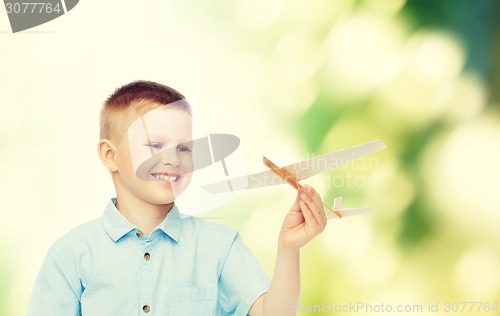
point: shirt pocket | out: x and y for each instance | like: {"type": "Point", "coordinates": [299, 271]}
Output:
{"type": "Point", "coordinates": [195, 301]}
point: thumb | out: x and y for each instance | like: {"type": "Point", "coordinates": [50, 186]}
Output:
{"type": "Point", "coordinates": [296, 205]}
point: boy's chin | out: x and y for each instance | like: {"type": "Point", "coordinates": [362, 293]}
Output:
{"type": "Point", "coordinates": [160, 202]}
{"type": "Point", "coordinates": [163, 200]}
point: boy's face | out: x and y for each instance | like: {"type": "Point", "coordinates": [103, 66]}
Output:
{"type": "Point", "coordinates": [156, 155]}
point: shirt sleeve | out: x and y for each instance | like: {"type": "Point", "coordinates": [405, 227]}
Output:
{"type": "Point", "coordinates": [242, 280]}
{"type": "Point", "coordinates": [57, 289]}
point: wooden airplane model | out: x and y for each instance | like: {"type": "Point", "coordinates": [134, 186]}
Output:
{"type": "Point", "coordinates": [293, 173]}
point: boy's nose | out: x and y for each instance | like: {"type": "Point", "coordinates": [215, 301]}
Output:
{"type": "Point", "coordinates": [170, 157]}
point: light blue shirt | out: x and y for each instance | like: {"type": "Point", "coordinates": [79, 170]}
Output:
{"type": "Point", "coordinates": [187, 266]}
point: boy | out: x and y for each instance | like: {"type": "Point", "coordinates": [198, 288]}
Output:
{"type": "Point", "coordinates": [143, 257]}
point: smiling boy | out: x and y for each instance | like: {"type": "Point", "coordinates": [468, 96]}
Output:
{"type": "Point", "coordinates": [144, 257]}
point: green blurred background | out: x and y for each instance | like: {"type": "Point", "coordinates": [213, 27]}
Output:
{"type": "Point", "coordinates": [292, 79]}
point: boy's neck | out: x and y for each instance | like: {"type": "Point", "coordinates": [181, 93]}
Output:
{"type": "Point", "coordinates": [142, 214]}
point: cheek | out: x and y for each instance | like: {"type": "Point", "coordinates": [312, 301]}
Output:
{"type": "Point", "coordinates": [187, 163]}
{"type": "Point", "coordinates": [144, 169]}
{"type": "Point", "coordinates": [139, 155]}
{"type": "Point", "coordinates": [186, 180]}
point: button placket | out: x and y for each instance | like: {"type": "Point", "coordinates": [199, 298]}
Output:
{"type": "Point", "coordinates": [148, 247]}
{"type": "Point", "coordinates": [146, 273]}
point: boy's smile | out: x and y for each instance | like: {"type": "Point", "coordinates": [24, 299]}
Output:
{"type": "Point", "coordinates": [168, 178]}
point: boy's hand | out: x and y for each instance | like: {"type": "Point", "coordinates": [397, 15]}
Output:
{"type": "Point", "coordinates": [304, 221]}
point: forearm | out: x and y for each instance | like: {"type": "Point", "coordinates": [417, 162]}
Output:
{"type": "Point", "coordinates": [305, 220]}
{"type": "Point", "coordinates": [284, 291]}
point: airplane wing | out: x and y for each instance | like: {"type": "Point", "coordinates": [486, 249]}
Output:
{"type": "Point", "coordinates": [300, 170]}
{"type": "Point", "coordinates": [313, 166]}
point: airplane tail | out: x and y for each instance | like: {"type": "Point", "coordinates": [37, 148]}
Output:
{"type": "Point", "coordinates": [337, 206]}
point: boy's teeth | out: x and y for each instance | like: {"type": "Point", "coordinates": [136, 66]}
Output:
{"type": "Point", "coordinates": [165, 177]}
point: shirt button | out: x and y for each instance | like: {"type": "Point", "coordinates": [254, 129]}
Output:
{"type": "Point", "coordinates": [139, 233]}
{"type": "Point", "coordinates": [146, 308]}
{"type": "Point", "coordinates": [147, 256]}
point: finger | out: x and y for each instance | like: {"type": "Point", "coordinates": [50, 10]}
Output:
{"type": "Point", "coordinates": [308, 215]}
{"type": "Point", "coordinates": [314, 211]}
{"type": "Point", "coordinates": [296, 206]}
{"type": "Point", "coordinates": [314, 201]}
{"type": "Point", "coordinates": [321, 215]}
{"type": "Point", "coordinates": [306, 196]}
{"type": "Point", "coordinates": [315, 196]}
{"type": "Point", "coordinates": [316, 206]}
{"type": "Point", "coordinates": [311, 223]}
{"type": "Point", "coordinates": [323, 220]}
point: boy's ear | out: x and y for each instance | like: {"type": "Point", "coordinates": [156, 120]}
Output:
{"type": "Point", "coordinates": [107, 154]}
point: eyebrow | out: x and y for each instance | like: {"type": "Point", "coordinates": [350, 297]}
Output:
{"type": "Point", "coordinates": [150, 136]}
{"type": "Point", "coordinates": [154, 136]}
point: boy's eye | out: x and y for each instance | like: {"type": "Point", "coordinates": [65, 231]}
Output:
{"type": "Point", "coordinates": [154, 145]}
{"type": "Point", "coordinates": [183, 148]}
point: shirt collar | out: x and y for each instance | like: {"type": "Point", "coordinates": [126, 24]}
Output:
{"type": "Point", "coordinates": [172, 223]}
{"type": "Point", "coordinates": [117, 226]}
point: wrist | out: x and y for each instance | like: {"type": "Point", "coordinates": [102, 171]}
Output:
{"type": "Point", "coordinates": [285, 247]}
